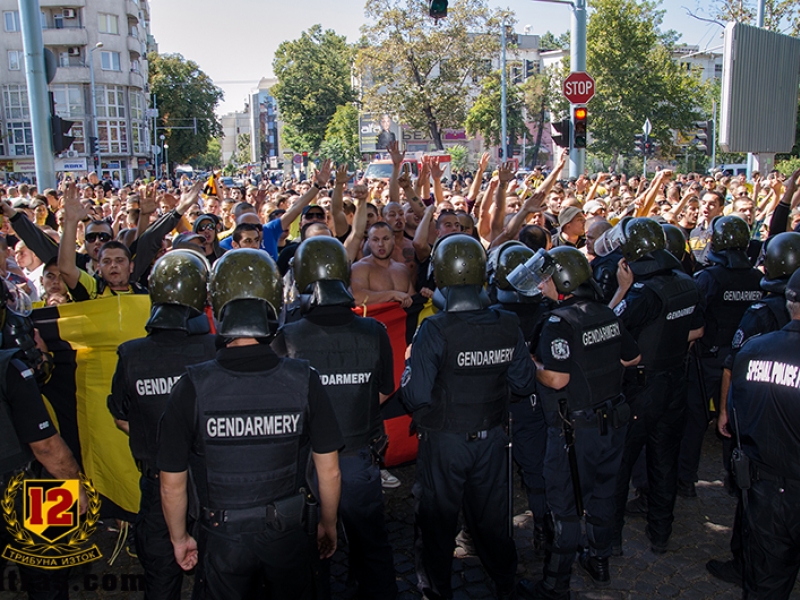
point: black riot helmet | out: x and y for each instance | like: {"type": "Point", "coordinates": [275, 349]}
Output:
{"type": "Point", "coordinates": [571, 271]}
{"type": "Point", "coordinates": [178, 286]}
{"type": "Point", "coordinates": [729, 233]}
{"type": "Point", "coordinates": [459, 269]}
{"type": "Point", "coordinates": [322, 272]}
{"type": "Point", "coordinates": [781, 260]}
{"type": "Point", "coordinates": [641, 237]}
{"type": "Point", "coordinates": [502, 262]}
{"type": "Point", "coordinates": [246, 293]}
{"type": "Point", "coordinates": [676, 241]}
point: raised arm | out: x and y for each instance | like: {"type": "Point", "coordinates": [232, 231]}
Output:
{"type": "Point", "coordinates": [74, 212]}
{"type": "Point", "coordinates": [436, 174]}
{"type": "Point", "coordinates": [475, 188]}
{"type": "Point", "coordinates": [337, 202]}
{"type": "Point", "coordinates": [505, 174]}
{"type": "Point", "coordinates": [321, 178]}
{"type": "Point", "coordinates": [411, 195]}
{"type": "Point", "coordinates": [421, 246]}
{"type": "Point", "coordinates": [393, 148]}
{"type": "Point", "coordinates": [353, 242]}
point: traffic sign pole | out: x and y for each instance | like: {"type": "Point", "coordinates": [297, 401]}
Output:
{"type": "Point", "coordinates": [577, 156]}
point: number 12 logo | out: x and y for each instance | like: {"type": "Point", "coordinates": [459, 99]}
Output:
{"type": "Point", "coordinates": [51, 507]}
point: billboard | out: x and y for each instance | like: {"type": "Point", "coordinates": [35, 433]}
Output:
{"type": "Point", "coordinates": [375, 131]}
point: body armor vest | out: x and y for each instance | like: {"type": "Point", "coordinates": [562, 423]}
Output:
{"type": "Point", "coordinates": [348, 360]}
{"type": "Point", "coordinates": [151, 369]}
{"type": "Point", "coordinates": [253, 438]}
{"type": "Point", "coordinates": [471, 391]}
{"type": "Point", "coordinates": [738, 289]}
{"type": "Point", "coordinates": [777, 308]}
{"type": "Point", "coordinates": [13, 453]}
{"type": "Point", "coordinates": [595, 351]}
{"type": "Point", "coordinates": [664, 341]}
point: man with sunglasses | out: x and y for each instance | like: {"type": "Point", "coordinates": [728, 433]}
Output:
{"type": "Point", "coordinates": [115, 264]}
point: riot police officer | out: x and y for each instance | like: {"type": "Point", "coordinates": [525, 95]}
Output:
{"type": "Point", "coordinates": [583, 349]}
{"type": "Point", "coordinates": [529, 428]}
{"type": "Point", "coordinates": [728, 285]}
{"type": "Point", "coordinates": [658, 304]}
{"type": "Point", "coordinates": [146, 370]}
{"type": "Point", "coordinates": [464, 361]}
{"type": "Point", "coordinates": [677, 246]}
{"type": "Point", "coordinates": [353, 356]}
{"type": "Point", "coordinates": [764, 403]}
{"type": "Point", "coordinates": [27, 433]}
{"type": "Point", "coordinates": [781, 260]}
{"type": "Point", "coordinates": [248, 421]}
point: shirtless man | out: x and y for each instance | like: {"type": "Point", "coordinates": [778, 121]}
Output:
{"type": "Point", "coordinates": [403, 251]}
{"type": "Point", "coordinates": [379, 277]}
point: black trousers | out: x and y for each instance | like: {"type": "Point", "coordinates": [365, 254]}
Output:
{"type": "Point", "coordinates": [260, 563]}
{"type": "Point", "coordinates": [771, 535]}
{"type": "Point", "coordinates": [452, 473]}
{"type": "Point", "coordinates": [362, 516]}
{"type": "Point", "coordinates": [598, 458]}
{"type": "Point", "coordinates": [657, 423]}
{"type": "Point", "coordinates": [696, 411]}
{"type": "Point", "coordinates": [163, 576]}
{"type": "Point", "coordinates": [529, 434]}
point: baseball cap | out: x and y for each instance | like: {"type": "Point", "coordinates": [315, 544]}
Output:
{"type": "Point", "coordinates": [567, 214]}
{"type": "Point", "coordinates": [20, 203]}
{"type": "Point", "coordinates": [793, 287]}
{"type": "Point", "coordinates": [593, 206]}
{"type": "Point", "coordinates": [314, 207]}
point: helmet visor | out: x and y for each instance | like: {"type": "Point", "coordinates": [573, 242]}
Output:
{"type": "Point", "coordinates": [526, 277]}
{"type": "Point", "coordinates": [610, 240]}
{"type": "Point", "coordinates": [18, 301]}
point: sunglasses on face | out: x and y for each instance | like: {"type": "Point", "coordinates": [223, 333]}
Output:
{"type": "Point", "coordinates": [206, 227]}
{"type": "Point", "coordinates": [315, 215]}
{"type": "Point", "coordinates": [93, 237]}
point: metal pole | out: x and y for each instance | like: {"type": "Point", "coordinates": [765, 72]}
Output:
{"type": "Point", "coordinates": [95, 128]}
{"type": "Point", "coordinates": [714, 135]}
{"type": "Point", "coordinates": [38, 99]}
{"type": "Point", "coordinates": [577, 59]}
{"type": "Point", "coordinates": [751, 159]}
{"type": "Point", "coordinates": [155, 132]}
{"type": "Point", "coordinates": [503, 83]}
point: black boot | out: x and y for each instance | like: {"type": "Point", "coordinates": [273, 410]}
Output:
{"type": "Point", "coordinates": [536, 591]}
{"type": "Point", "coordinates": [596, 568]}
{"type": "Point", "coordinates": [638, 506]}
{"type": "Point", "coordinates": [726, 570]}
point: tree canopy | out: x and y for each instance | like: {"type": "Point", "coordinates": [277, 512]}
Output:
{"type": "Point", "coordinates": [422, 70]}
{"type": "Point", "coordinates": [341, 137]}
{"type": "Point", "coordinates": [184, 93]}
{"type": "Point", "coordinates": [314, 79]}
{"type": "Point", "coordinates": [484, 115]}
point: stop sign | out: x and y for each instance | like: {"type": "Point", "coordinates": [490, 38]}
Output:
{"type": "Point", "coordinates": [579, 87]}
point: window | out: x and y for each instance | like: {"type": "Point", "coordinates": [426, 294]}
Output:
{"type": "Point", "coordinates": [112, 127]}
{"type": "Point", "coordinates": [137, 133]}
{"type": "Point", "coordinates": [16, 60]}
{"type": "Point", "coordinates": [109, 61]}
{"type": "Point", "coordinates": [108, 23]}
{"type": "Point", "coordinates": [134, 65]}
{"type": "Point", "coordinates": [113, 136]}
{"type": "Point", "coordinates": [110, 100]}
{"type": "Point", "coordinates": [15, 100]}
{"type": "Point", "coordinates": [76, 131]}
{"type": "Point", "coordinates": [137, 106]}
{"type": "Point", "coordinates": [11, 19]}
{"type": "Point", "coordinates": [69, 101]}
{"type": "Point", "coordinates": [134, 31]}
{"type": "Point", "coordinates": [20, 138]}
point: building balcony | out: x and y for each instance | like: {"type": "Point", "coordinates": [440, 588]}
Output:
{"type": "Point", "coordinates": [132, 9]}
{"type": "Point", "coordinates": [65, 36]}
{"type": "Point", "coordinates": [62, 3]}
{"type": "Point", "coordinates": [136, 80]}
{"type": "Point", "coordinates": [134, 45]}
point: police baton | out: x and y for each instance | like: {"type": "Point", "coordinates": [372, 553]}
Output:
{"type": "Point", "coordinates": [569, 439]}
{"type": "Point", "coordinates": [701, 382]}
{"type": "Point", "coordinates": [510, 476]}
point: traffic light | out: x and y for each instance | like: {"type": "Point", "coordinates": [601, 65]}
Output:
{"type": "Point", "coordinates": [438, 9]}
{"type": "Point", "coordinates": [704, 136]}
{"type": "Point", "coordinates": [59, 129]}
{"type": "Point", "coordinates": [561, 137]}
{"type": "Point", "coordinates": [650, 147]}
{"type": "Point", "coordinates": [580, 115]}
{"type": "Point", "coordinates": [640, 140]}
{"type": "Point", "coordinates": [305, 159]}
{"type": "Point", "coordinates": [93, 147]}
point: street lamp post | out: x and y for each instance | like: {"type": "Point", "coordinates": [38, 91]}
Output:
{"type": "Point", "coordinates": [96, 153]}
{"type": "Point", "coordinates": [166, 159]}
{"type": "Point", "coordinates": [162, 137]}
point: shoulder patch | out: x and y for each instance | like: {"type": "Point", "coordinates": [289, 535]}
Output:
{"type": "Point", "coordinates": [620, 308]}
{"type": "Point", "coordinates": [758, 306]}
{"type": "Point", "coordinates": [738, 339]}
{"type": "Point", "coordinates": [638, 285]}
{"type": "Point", "coordinates": [406, 376]}
{"type": "Point", "coordinates": [554, 319]}
{"type": "Point", "coordinates": [559, 348]}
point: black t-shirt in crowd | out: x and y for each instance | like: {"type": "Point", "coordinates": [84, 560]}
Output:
{"type": "Point", "coordinates": [179, 427]}
{"type": "Point", "coordinates": [31, 420]}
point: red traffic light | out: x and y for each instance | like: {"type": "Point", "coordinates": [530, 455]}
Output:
{"type": "Point", "coordinates": [580, 114]}
{"type": "Point", "coordinates": [305, 154]}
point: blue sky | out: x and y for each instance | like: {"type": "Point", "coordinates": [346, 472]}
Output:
{"type": "Point", "coordinates": [234, 41]}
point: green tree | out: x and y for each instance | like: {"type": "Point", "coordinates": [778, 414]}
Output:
{"type": "Point", "coordinates": [210, 159]}
{"type": "Point", "coordinates": [484, 116]}
{"type": "Point", "coordinates": [422, 70]}
{"type": "Point", "coordinates": [782, 16]}
{"type": "Point", "coordinates": [459, 157]}
{"type": "Point", "coordinates": [185, 95]}
{"type": "Point", "coordinates": [314, 79]}
{"type": "Point", "coordinates": [550, 41]}
{"type": "Point", "coordinates": [243, 154]}
{"type": "Point", "coordinates": [636, 78]}
{"type": "Point", "coordinates": [341, 137]}
{"type": "Point", "coordinates": [539, 95]}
